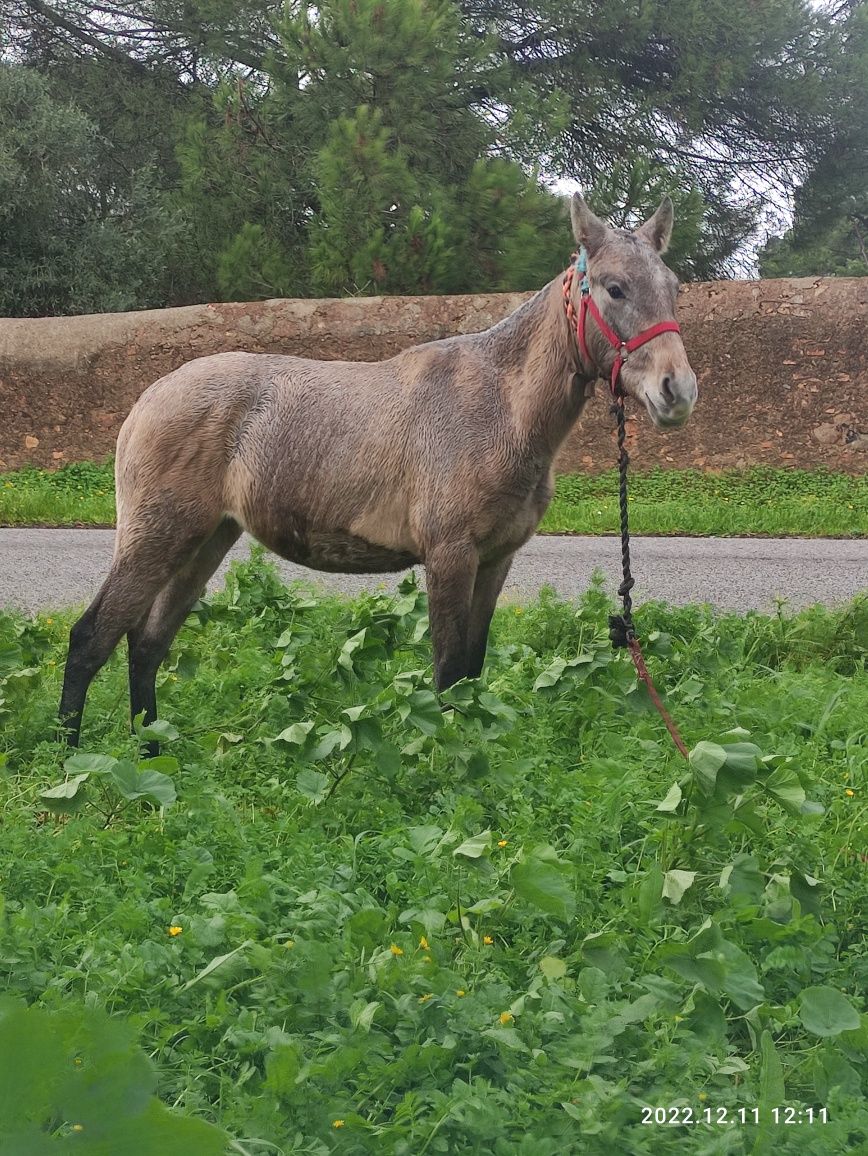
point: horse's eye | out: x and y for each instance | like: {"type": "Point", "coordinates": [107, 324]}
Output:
{"type": "Point", "coordinates": [616, 291]}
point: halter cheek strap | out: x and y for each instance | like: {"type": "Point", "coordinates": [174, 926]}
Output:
{"type": "Point", "coordinates": [588, 305]}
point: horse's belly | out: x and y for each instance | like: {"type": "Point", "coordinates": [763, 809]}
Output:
{"type": "Point", "coordinates": [345, 553]}
{"type": "Point", "coordinates": [337, 551]}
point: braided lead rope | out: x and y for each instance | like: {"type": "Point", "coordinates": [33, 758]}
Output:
{"type": "Point", "coordinates": [622, 631]}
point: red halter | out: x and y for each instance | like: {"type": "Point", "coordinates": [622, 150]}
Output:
{"type": "Point", "coordinates": [624, 348]}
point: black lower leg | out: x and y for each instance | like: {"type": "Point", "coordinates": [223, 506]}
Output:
{"type": "Point", "coordinates": [81, 666]}
{"type": "Point", "coordinates": [143, 686]}
{"type": "Point", "coordinates": [451, 572]}
{"type": "Point", "coordinates": [489, 583]}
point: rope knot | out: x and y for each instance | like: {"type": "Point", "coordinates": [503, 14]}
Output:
{"type": "Point", "coordinates": [621, 631]}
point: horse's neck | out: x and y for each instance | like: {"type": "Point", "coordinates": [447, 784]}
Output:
{"type": "Point", "coordinates": [540, 371]}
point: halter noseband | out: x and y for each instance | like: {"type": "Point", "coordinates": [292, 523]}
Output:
{"type": "Point", "coordinates": [588, 305]}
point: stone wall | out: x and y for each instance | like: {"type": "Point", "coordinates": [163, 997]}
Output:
{"type": "Point", "coordinates": [782, 368]}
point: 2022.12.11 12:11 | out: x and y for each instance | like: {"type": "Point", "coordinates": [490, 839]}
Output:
{"type": "Point", "coordinates": [684, 1114]}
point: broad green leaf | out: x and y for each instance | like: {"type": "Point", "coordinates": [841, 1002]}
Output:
{"type": "Point", "coordinates": [672, 800]}
{"type": "Point", "coordinates": [509, 1037]}
{"type": "Point", "coordinates": [431, 919]}
{"type": "Point", "coordinates": [93, 764]}
{"type": "Point", "coordinates": [165, 764]}
{"type": "Point", "coordinates": [718, 965]}
{"type": "Point", "coordinates": [593, 985]}
{"type": "Point", "coordinates": [784, 786]}
{"type": "Point", "coordinates": [475, 846]}
{"type": "Point", "coordinates": [296, 734]}
{"type": "Point", "coordinates": [706, 759]}
{"type": "Point", "coordinates": [134, 784]}
{"type": "Point", "coordinates": [281, 1068]}
{"type": "Point", "coordinates": [156, 786]}
{"type": "Point", "coordinates": [11, 657]}
{"type": "Point", "coordinates": [64, 791]}
{"type": "Point", "coordinates": [552, 674]}
{"type": "Point", "coordinates": [312, 784]}
{"type": "Point", "coordinates": [807, 890]}
{"type": "Point", "coordinates": [217, 962]}
{"type": "Point", "coordinates": [425, 839]}
{"type": "Point", "coordinates": [484, 906]}
{"type": "Point", "coordinates": [362, 1014]}
{"type": "Point", "coordinates": [742, 758]}
{"type": "Point", "coordinates": [159, 730]}
{"type": "Point", "coordinates": [355, 643]}
{"type": "Point", "coordinates": [675, 883]}
{"type": "Point", "coordinates": [552, 967]}
{"type": "Point", "coordinates": [825, 1011]}
{"type": "Point", "coordinates": [340, 738]}
{"type": "Point", "coordinates": [742, 877]}
{"type": "Point", "coordinates": [422, 710]}
{"type": "Point", "coordinates": [544, 882]}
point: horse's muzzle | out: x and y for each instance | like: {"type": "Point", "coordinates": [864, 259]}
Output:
{"type": "Point", "coordinates": [671, 403]}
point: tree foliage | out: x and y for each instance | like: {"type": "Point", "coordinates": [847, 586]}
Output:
{"type": "Point", "coordinates": [176, 151]}
{"type": "Point", "coordinates": [70, 231]}
{"type": "Point", "coordinates": [830, 230]}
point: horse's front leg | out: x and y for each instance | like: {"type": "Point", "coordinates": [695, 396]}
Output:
{"type": "Point", "coordinates": [451, 574]}
{"type": "Point", "coordinates": [489, 583]}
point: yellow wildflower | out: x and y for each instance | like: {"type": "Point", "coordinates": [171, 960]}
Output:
{"type": "Point", "coordinates": [502, 842]}
{"type": "Point", "coordinates": [48, 621]}
{"type": "Point", "coordinates": [426, 958]}
{"type": "Point", "coordinates": [78, 1127]}
{"type": "Point", "coordinates": [395, 950]}
{"type": "Point", "coordinates": [506, 1018]}
{"type": "Point", "coordinates": [487, 940]}
{"type": "Point", "coordinates": [423, 943]}
{"type": "Point", "coordinates": [849, 793]}
{"type": "Point", "coordinates": [175, 929]}
{"type": "Point", "coordinates": [338, 1123]}
{"type": "Point", "coordinates": [425, 998]}
{"type": "Point", "coordinates": [460, 991]}
{"type": "Point", "coordinates": [703, 1095]}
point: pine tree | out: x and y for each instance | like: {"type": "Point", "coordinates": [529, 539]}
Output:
{"type": "Point", "coordinates": [830, 230]}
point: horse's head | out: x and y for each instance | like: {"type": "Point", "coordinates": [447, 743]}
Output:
{"type": "Point", "coordinates": [634, 291]}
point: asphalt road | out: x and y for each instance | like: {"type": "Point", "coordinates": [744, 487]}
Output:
{"type": "Point", "coordinates": [55, 568]}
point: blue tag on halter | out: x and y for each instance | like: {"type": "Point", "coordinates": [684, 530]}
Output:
{"type": "Point", "coordinates": [582, 267]}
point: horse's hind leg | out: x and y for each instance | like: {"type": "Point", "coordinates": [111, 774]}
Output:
{"type": "Point", "coordinates": [142, 565]}
{"type": "Point", "coordinates": [150, 639]}
{"type": "Point", "coordinates": [124, 598]}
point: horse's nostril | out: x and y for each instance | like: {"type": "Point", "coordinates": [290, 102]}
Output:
{"type": "Point", "coordinates": [666, 389]}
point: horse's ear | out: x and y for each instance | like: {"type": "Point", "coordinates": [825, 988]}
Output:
{"type": "Point", "coordinates": [658, 229]}
{"type": "Point", "coordinates": [588, 229]}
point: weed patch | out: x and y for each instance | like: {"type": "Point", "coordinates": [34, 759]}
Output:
{"type": "Point", "coordinates": [340, 919]}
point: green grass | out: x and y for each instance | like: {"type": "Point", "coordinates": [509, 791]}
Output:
{"type": "Point", "coordinates": [778, 503]}
{"type": "Point", "coordinates": [512, 928]}
{"type": "Point", "coordinates": [80, 494]}
{"type": "Point", "coordinates": [772, 502]}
